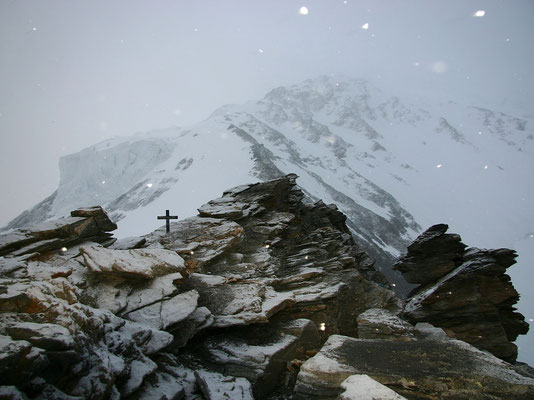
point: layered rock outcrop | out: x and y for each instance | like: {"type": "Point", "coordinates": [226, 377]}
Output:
{"type": "Point", "coordinates": [465, 292]}
{"type": "Point", "coordinates": [228, 302]}
{"type": "Point", "coordinates": [432, 366]}
{"type": "Point", "coordinates": [236, 302]}
{"type": "Point", "coordinates": [84, 224]}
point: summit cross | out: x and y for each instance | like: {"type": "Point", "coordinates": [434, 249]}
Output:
{"type": "Point", "coordinates": [167, 217]}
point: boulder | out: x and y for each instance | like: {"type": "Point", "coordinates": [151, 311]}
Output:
{"type": "Point", "coordinates": [473, 301]}
{"type": "Point", "coordinates": [216, 386]}
{"type": "Point", "coordinates": [136, 263]}
{"type": "Point", "coordinates": [83, 225]}
{"type": "Point", "coordinates": [415, 369]}
{"type": "Point", "coordinates": [432, 254]}
{"type": "Point", "coordinates": [377, 323]}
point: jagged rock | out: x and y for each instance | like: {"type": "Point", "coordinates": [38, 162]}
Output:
{"type": "Point", "coordinates": [260, 281]}
{"type": "Point", "coordinates": [18, 360]}
{"type": "Point", "coordinates": [166, 313]}
{"type": "Point", "coordinates": [473, 301]}
{"type": "Point", "coordinates": [137, 263]}
{"type": "Point", "coordinates": [423, 369]}
{"type": "Point", "coordinates": [83, 225]}
{"type": "Point", "coordinates": [121, 296]}
{"type": "Point", "coordinates": [362, 387]}
{"type": "Point", "coordinates": [45, 336]}
{"type": "Point", "coordinates": [205, 238]}
{"type": "Point", "coordinates": [431, 255]}
{"type": "Point", "coordinates": [14, 265]}
{"type": "Point", "coordinates": [163, 385]}
{"type": "Point", "coordinates": [215, 386]}
{"type": "Point", "coordinates": [377, 323]}
{"type": "Point", "coordinates": [98, 214]}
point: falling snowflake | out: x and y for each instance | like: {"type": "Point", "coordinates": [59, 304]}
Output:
{"type": "Point", "coordinates": [103, 182]}
{"type": "Point", "coordinates": [365, 26]}
{"type": "Point", "coordinates": [439, 166]}
{"type": "Point", "coordinates": [479, 13]}
{"type": "Point", "coordinates": [260, 50]}
{"type": "Point", "coordinates": [303, 10]}
{"type": "Point", "coordinates": [149, 185]}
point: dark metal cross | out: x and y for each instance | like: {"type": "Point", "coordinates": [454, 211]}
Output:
{"type": "Point", "coordinates": [168, 217]}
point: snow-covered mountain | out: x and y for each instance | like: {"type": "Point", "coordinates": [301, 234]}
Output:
{"type": "Point", "coordinates": [394, 164]}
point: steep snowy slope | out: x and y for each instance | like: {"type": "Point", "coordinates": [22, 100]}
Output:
{"type": "Point", "coordinates": [380, 158]}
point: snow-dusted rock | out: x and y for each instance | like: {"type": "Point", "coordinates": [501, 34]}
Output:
{"type": "Point", "coordinates": [377, 323]}
{"type": "Point", "coordinates": [136, 263]}
{"type": "Point", "coordinates": [83, 225]}
{"type": "Point", "coordinates": [216, 386]}
{"type": "Point", "coordinates": [432, 255]}
{"type": "Point", "coordinates": [474, 281]}
{"type": "Point", "coordinates": [436, 369]}
{"type": "Point", "coordinates": [244, 305]}
{"type": "Point", "coordinates": [165, 314]}
{"type": "Point", "coordinates": [46, 336]}
{"type": "Point", "coordinates": [205, 238]}
{"type": "Point", "coordinates": [362, 387]}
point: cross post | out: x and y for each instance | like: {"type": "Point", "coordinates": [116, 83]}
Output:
{"type": "Point", "coordinates": [167, 217]}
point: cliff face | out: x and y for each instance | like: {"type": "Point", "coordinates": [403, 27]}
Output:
{"type": "Point", "coordinates": [236, 302]}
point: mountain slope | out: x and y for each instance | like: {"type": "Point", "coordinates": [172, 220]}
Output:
{"type": "Point", "coordinates": [379, 158]}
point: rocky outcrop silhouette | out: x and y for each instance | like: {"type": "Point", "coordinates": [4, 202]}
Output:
{"type": "Point", "coordinates": [465, 292]}
{"type": "Point", "coordinates": [262, 295]}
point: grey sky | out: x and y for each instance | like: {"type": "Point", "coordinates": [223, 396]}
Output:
{"type": "Point", "coordinates": [75, 72]}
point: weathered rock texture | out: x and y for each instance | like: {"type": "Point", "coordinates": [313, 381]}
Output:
{"type": "Point", "coordinates": [466, 292]}
{"type": "Point", "coordinates": [230, 304]}
{"type": "Point", "coordinates": [428, 368]}
{"type": "Point", "coordinates": [86, 224]}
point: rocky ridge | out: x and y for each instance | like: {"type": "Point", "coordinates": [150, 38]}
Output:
{"type": "Point", "coordinates": [236, 302]}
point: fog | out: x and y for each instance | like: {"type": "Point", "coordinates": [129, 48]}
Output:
{"type": "Point", "coordinates": [74, 73]}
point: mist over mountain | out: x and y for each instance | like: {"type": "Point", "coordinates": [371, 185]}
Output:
{"type": "Point", "coordinates": [393, 163]}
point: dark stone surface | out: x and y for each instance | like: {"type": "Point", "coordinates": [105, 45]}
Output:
{"type": "Point", "coordinates": [466, 292]}
{"type": "Point", "coordinates": [83, 225]}
{"type": "Point", "coordinates": [431, 255]}
{"type": "Point", "coordinates": [421, 369]}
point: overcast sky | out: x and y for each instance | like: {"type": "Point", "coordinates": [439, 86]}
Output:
{"type": "Point", "coordinates": [73, 73]}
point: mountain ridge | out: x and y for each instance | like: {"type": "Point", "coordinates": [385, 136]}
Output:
{"type": "Point", "coordinates": [378, 157]}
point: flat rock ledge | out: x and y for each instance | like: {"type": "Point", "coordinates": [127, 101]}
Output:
{"type": "Point", "coordinates": [420, 369]}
